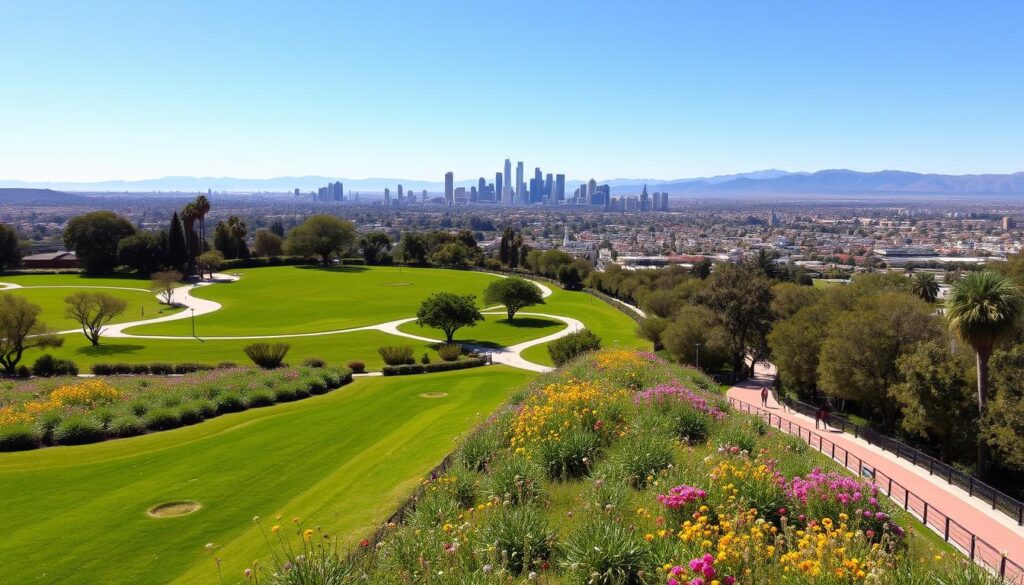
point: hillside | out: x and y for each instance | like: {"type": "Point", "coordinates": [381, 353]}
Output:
{"type": "Point", "coordinates": [39, 197]}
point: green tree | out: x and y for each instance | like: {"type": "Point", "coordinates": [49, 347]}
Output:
{"type": "Point", "coordinates": [937, 387]}
{"type": "Point", "coordinates": [566, 348]}
{"type": "Point", "coordinates": [983, 309]}
{"type": "Point", "coordinates": [693, 325]}
{"type": "Point", "coordinates": [277, 228]}
{"type": "Point", "coordinates": [163, 284]}
{"type": "Point", "coordinates": [92, 311]}
{"type": "Point", "coordinates": [702, 268]}
{"type": "Point", "coordinates": [571, 276]}
{"type": "Point", "coordinates": [788, 298]}
{"type": "Point", "coordinates": [94, 238]}
{"type": "Point", "coordinates": [177, 245]}
{"type": "Point", "coordinates": [1002, 427]}
{"type": "Point", "coordinates": [376, 248]}
{"type": "Point", "coordinates": [764, 262]}
{"type": "Point", "coordinates": [210, 262]}
{"type": "Point", "coordinates": [141, 252]}
{"type": "Point", "coordinates": [924, 285]}
{"type": "Point", "coordinates": [741, 297]}
{"type": "Point", "coordinates": [448, 312]}
{"type": "Point", "coordinates": [189, 216]}
{"type": "Point", "coordinates": [452, 255]}
{"type": "Point", "coordinates": [321, 235]}
{"type": "Point", "coordinates": [795, 344]}
{"type": "Point", "coordinates": [21, 330]}
{"type": "Point", "coordinates": [10, 247]}
{"type": "Point", "coordinates": [513, 292]}
{"type": "Point", "coordinates": [412, 248]}
{"type": "Point", "coordinates": [267, 244]}
{"type": "Point", "coordinates": [203, 206]}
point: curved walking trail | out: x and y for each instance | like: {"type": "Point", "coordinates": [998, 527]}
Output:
{"type": "Point", "coordinates": [195, 307]}
{"type": "Point", "coordinates": [997, 541]}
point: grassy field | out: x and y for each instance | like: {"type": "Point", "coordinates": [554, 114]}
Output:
{"type": "Point", "coordinates": [303, 299]}
{"type": "Point", "coordinates": [495, 330]}
{"type": "Point", "coordinates": [142, 304]}
{"type": "Point", "coordinates": [78, 514]}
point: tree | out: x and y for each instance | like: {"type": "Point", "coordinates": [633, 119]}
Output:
{"type": "Point", "coordinates": [10, 247]}
{"type": "Point", "coordinates": [505, 245]}
{"type": "Point", "coordinates": [651, 329]}
{"type": "Point", "coordinates": [1002, 427]}
{"type": "Point", "coordinates": [321, 235]}
{"type": "Point", "coordinates": [764, 262]}
{"type": "Point", "coordinates": [277, 228]}
{"type": "Point", "coordinates": [788, 298]}
{"type": "Point", "coordinates": [924, 285]}
{"type": "Point", "coordinates": [376, 248]}
{"type": "Point", "coordinates": [936, 388]}
{"type": "Point", "coordinates": [202, 208]}
{"type": "Point", "coordinates": [571, 276]}
{"type": "Point", "coordinates": [741, 296]}
{"type": "Point", "coordinates": [566, 348]}
{"type": "Point", "coordinates": [550, 261]}
{"type": "Point", "coordinates": [210, 262]}
{"type": "Point", "coordinates": [448, 312]}
{"type": "Point", "coordinates": [92, 311]}
{"type": "Point", "coordinates": [858, 357]}
{"type": "Point", "coordinates": [983, 309]}
{"type": "Point", "coordinates": [94, 238]}
{"type": "Point", "coordinates": [141, 252]}
{"type": "Point", "coordinates": [163, 284]}
{"type": "Point", "coordinates": [21, 330]}
{"type": "Point", "coordinates": [267, 244]}
{"type": "Point", "coordinates": [189, 216]}
{"type": "Point", "coordinates": [412, 248]}
{"type": "Point", "coordinates": [513, 292]}
{"type": "Point", "coordinates": [177, 245]}
{"type": "Point", "coordinates": [702, 268]}
{"type": "Point", "coordinates": [693, 325]}
{"type": "Point", "coordinates": [795, 343]}
{"type": "Point", "coordinates": [237, 230]}
{"type": "Point", "coordinates": [451, 255]}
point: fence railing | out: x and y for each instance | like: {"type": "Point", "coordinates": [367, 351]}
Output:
{"type": "Point", "coordinates": [972, 545]}
{"type": "Point", "coordinates": [1000, 501]}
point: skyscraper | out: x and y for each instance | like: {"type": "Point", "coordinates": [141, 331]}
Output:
{"type": "Point", "coordinates": [499, 187]}
{"type": "Point", "coordinates": [399, 194]}
{"type": "Point", "coordinates": [537, 186]}
{"type": "Point", "coordinates": [387, 197]}
{"type": "Point", "coordinates": [506, 195]}
{"type": "Point", "coordinates": [645, 204]}
{"type": "Point", "coordinates": [449, 188]}
{"type": "Point", "coordinates": [559, 194]}
{"type": "Point", "coordinates": [520, 187]}
{"type": "Point", "coordinates": [424, 195]}
{"type": "Point", "coordinates": [548, 184]}
{"type": "Point", "coordinates": [591, 192]}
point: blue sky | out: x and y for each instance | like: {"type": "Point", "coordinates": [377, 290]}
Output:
{"type": "Point", "coordinates": [93, 90]}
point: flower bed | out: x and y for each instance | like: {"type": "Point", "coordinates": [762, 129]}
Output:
{"type": "Point", "coordinates": [586, 478]}
{"type": "Point", "coordinates": [71, 411]}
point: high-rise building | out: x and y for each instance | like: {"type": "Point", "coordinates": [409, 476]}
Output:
{"type": "Point", "coordinates": [591, 192]}
{"type": "Point", "coordinates": [473, 194]}
{"type": "Point", "coordinates": [536, 186]}
{"type": "Point", "coordinates": [548, 185]}
{"type": "Point", "coordinates": [506, 195]}
{"type": "Point", "coordinates": [1008, 223]}
{"type": "Point", "coordinates": [424, 196]}
{"type": "Point", "coordinates": [296, 191]}
{"type": "Point", "coordinates": [459, 195]}
{"type": "Point", "coordinates": [387, 197]}
{"type": "Point", "coordinates": [499, 187]}
{"type": "Point", "coordinates": [520, 187]}
{"type": "Point", "coordinates": [449, 188]}
{"type": "Point", "coordinates": [559, 194]}
{"type": "Point", "coordinates": [400, 197]}
{"type": "Point", "coordinates": [645, 204]}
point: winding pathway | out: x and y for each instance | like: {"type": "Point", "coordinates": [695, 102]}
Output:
{"type": "Point", "coordinates": [195, 306]}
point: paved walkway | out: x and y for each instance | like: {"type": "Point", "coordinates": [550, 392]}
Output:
{"type": "Point", "coordinates": [943, 499]}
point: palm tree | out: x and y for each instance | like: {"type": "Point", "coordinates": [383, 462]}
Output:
{"type": "Point", "coordinates": [924, 285]}
{"type": "Point", "coordinates": [203, 206]}
{"type": "Point", "coordinates": [764, 261]}
{"type": "Point", "coordinates": [189, 214]}
{"type": "Point", "coordinates": [238, 230]}
{"type": "Point", "coordinates": [982, 309]}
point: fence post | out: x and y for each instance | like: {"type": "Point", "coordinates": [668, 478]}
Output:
{"type": "Point", "coordinates": [973, 538]}
{"type": "Point", "coordinates": [970, 485]}
{"type": "Point", "coordinates": [946, 535]}
{"type": "Point", "coordinates": [995, 493]}
{"type": "Point", "coordinates": [1002, 567]}
{"type": "Point", "coordinates": [833, 450]}
{"type": "Point", "coordinates": [924, 519]}
{"type": "Point", "coordinates": [846, 460]}
{"type": "Point", "coordinates": [1020, 514]}
{"type": "Point", "coordinates": [906, 499]}
{"type": "Point", "coordinates": [890, 487]}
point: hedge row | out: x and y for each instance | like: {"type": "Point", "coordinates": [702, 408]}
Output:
{"type": "Point", "coordinates": [260, 262]}
{"type": "Point", "coordinates": [469, 362]}
{"type": "Point", "coordinates": [156, 369]}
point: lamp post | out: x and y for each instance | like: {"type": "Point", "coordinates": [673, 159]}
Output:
{"type": "Point", "coordinates": [193, 321]}
{"type": "Point", "coordinates": [697, 345]}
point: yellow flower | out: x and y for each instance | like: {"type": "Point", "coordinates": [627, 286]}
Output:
{"type": "Point", "coordinates": [275, 528]}
{"type": "Point", "coordinates": [308, 533]}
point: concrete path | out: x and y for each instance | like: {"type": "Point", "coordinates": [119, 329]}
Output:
{"type": "Point", "coordinates": [943, 499]}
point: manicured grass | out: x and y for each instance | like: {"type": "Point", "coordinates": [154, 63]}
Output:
{"type": "Point", "coordinates": [142, 304]}
{"type": "Point", "coordinates": [77, 514]}
{"type": "Point", "coordinates": [306, 299]}
{"type": "Point", "coordinates": [495, 330]}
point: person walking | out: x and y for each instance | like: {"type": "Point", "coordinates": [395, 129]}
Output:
{"type": "Point", "coordinates": [764, 397]}
{"type": "Point", "coordinates": [819, 416]}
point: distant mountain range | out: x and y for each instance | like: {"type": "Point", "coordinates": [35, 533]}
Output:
{"type": "Point", "coordinates": [766, 182]}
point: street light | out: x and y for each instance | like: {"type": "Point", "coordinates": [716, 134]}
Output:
{"type": "Point", "coordinates": [698, 355]}
{"type": "Point", "coordinates": [193, 321]}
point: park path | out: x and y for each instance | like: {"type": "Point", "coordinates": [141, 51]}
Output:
{"type": "Point", "coordinates": [195, 307]}
{"type": "Point", "coordinates": [1005, 537]}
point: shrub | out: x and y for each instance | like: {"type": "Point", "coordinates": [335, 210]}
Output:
{"type": "Point", "coordinates": [267, 355]}
{"type": "Point", "coordinates": [425, 359]}
{"type": "Point", "coordinates": [78, 429]}
{"type": "Point", "coordinates": [258, 398]}
{"type": "Point", "coordinates": [22, 371]}
{"type": "Point", "coordinates": [356, 366]}
{"type": "Point", "coordinates": [161, 419]}
{"type": "Point", "coordinates": [226, 365]}
{"type": "Point", "coordinates": [690, 425]}
{"type": "Point", "coordinates": [287, 392]}
{"type": "Point", "coordinates": [314, 362]}
{"type": "Point", "coordinates": [137, 406]}
{"type": "Point", "coordinates": [396, 355]}
{"type": "Point", "coordinates": [46, 422]}
{"type": "Point", "coordinates": [47, 365]}
{"type": "Point", "coordinates": [517, 480]}
{"type": "Point", "coordinates": [438, 367]}
{"type": "Point", "coordinates": [190, 413]}
{"type": "Point", "coordinates": [523, 532]}
{"type": "Point", "coordinates": [104, 414]}
{"type": "Point", "coordinates": [479, 448]}
{"type": "Point", "coordinates": [449, 352]}
{"type": "Point", "coordinates": [603, 552]}
{"type": "Point", "coordinates": [126, 426]}
{"type": "Point", "coordinates": [161, 369]}
{"type": "Point", "coordinates": [19, 437]}
{"type": "Point", "coordinates": [230, 402]}
{"type": "Point", "coordinates": [403, 369]}
{"type": "Point", "coordinates": [570, 457]}
{"type": "Point", "coordinates": [643, 455]}
{"type": "Point", "coordinates": [434, 508]}
{"type": "Point", "coordinates": [565, 349]}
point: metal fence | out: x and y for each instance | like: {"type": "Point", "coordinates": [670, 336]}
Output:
{"type": "Point", "coordinates": [1008, 505]}
{"type": "Point", "coordinates": [952, 531]}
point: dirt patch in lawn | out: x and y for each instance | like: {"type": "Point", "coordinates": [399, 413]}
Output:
{"type": "Point", "coordinates": [433, 395]}
{"type": "Point", "coordinates": [172, 509]}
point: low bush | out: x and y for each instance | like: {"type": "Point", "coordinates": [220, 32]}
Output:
{"type": "Point", "coordinates": [156, 368]}
{"type": "Point", "coordinates": [126, 426]}
{"type": "Point", "coordinates": [643, 455]}
{"type": "Point", "coordinates": [47, 365]}
{"type": "Point", "coordinates": [258, 398]}
{"type": "Point", "coordinates": [604, 552]}
{"type": "Point", "coordinates": [230, 402]}
{"type": "Point", "coordinates": [449, 352]}
{"type": "Point", "coordinates": [396, 355]}
{"type": "Point", "coordinates": [268, 356]}
{"type": "Point", "coordinates": [571, 456]}
{"type": "Point", "coordinates": [161, 419]}
{"type": "Point", "coordinates": [566, 348]}
{"type": "Point", "coordinates": [462, 364]}
{"type": "Point", "coordinates": [161, 369]}
{"type": "Point", "coordinates": [524, 532]}
{"type": "Point", "coordinates": [425, 359]}
{"type": "Point", "coordinates": [516, 480]}
{"type": "Point", "coordinates": [479, 448]}
{"type": "Point", "coordinates": [190, 413]}
{"type": "Point", "coordinates": [356, 366]}
{"type": "Point", "coordinates": [18, 437]}
{"type": "Point", "coordinates": [78, 429]}
{"type": "Point", "coordinates": [46, 422]}
{"type": "Point", "coordinates": [314, 362]}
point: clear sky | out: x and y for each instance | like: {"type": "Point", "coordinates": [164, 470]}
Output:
{"type": "Point", "coordinates": [93, 90]}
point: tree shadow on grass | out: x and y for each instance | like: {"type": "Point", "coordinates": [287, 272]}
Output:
{"type": "Point", "coordinates": [105, 350]}
{"type": "Point", "coordinates": [342, 269]}
{"type": "Point", "coordinates": [530, 322]}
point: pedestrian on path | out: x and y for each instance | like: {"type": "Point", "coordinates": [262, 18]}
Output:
{"type": "Point", "coordinates": [819, 416]}
{"type": "Point", "coordinates": [764, 397]}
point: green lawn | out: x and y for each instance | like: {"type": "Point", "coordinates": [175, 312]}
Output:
{"type": "Point", "coordinates": [305, 299]}
{"type": "Point", "coordinates": [77, 514]}
{"type": "Point", "coordinates": [495, 330]}
{"type": "Point", "coordinates": [142, 304]}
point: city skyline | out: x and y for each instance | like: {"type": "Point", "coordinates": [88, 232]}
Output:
{"type": "Point", "coordinates": [105, 90]}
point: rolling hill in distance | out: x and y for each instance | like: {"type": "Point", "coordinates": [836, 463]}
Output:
{"type": "Point", "coordinates": [766, 182]}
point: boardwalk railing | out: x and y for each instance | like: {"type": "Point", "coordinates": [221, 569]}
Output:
{"type": "Point", "coordinates": [1008, 505]}
{"type": "Point", "coordinates": [952, 531]}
